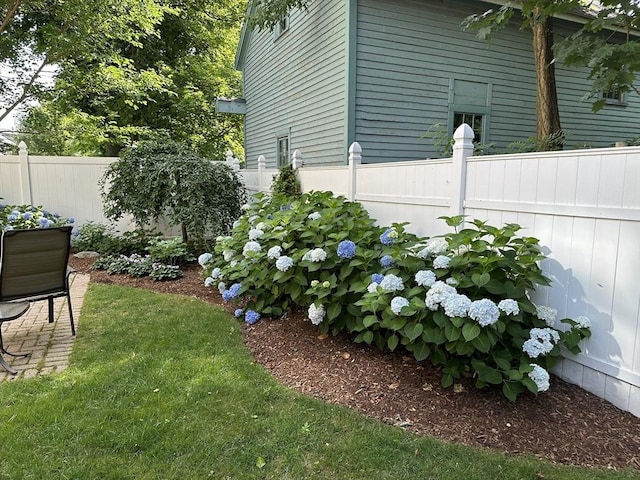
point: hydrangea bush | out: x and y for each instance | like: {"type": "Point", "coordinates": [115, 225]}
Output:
{"type": "Point", "coordinates": [461, 300]}
{"type": "Point", "coordinates": [14, 217]}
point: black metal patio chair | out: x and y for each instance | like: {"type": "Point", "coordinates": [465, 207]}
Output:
{"type": "Point", "coordinates": [33, 266]}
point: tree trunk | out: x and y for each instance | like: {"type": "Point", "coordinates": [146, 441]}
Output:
{"type": "Point", "coordinates": [548, 130]}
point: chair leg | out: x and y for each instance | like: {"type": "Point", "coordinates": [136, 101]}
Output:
{"type": "Point", "coordinates": [73, 327]}
{"type": "Point", "coordinates": [51, 314]}
{"type": "Point", "coordinates": [3, 363]}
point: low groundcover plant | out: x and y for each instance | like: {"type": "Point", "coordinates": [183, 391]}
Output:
{"type": "Point", "coordinates": [460, 300]}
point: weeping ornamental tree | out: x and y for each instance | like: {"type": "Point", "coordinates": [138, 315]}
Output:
{"type": "Point", "coordinates": [157, 179]}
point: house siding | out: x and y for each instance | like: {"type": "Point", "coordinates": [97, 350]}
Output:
{"type": "Point", "coordinates": [408, 54]}
{"type": "Point", "coordinates": [297, 83]}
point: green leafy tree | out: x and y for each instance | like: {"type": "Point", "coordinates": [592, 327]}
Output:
{"type": "Point", "coordinates": [163, 178]}
{"type": "Point", "coordinates": [36, 34]}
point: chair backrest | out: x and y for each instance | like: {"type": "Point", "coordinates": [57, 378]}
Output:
{"type": "Point", "coordinates": [33, 263]}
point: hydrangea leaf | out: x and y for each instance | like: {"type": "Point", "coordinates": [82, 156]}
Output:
{"type": "Point", "coordinates": [470, 331]}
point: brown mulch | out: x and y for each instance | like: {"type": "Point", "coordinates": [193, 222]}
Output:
{"type": "Point", "coordinates": [565, 425]}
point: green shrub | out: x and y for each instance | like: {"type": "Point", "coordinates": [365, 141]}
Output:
{"type": "Point", "coordinates": [286, 182]}
{"type": "Point", "coordinates": [461, 300]}
{"type": "Point", "coordinates": [173, 251]}
{"type": "Point", "coordinates": [155, 179]}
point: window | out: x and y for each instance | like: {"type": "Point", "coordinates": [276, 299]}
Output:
{"type": "Point", "coordinates": [474, 120]}
{"type": "Point", "coordinates": [282, 150]}
{"type": "Point", "coordinates": [614, 96]}
{"type": "Point", "coordinates": [281, 27]}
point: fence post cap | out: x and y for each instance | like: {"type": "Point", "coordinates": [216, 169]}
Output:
{"type": "Point", "coordinates": [22, 145]}
{"type": "Point", "coordinates": [355, 148]}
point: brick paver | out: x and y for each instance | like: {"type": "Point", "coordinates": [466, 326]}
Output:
{"type": "Point", "coordinates": [49, 343]}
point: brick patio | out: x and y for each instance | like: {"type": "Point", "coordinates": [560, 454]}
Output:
{"type": "Point", "coordinates": [49, 343]}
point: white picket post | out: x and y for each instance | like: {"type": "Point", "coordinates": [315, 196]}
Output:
{"type": "Point", "coordinates": [262, 165]}
{"type": "Point", "coordinates": [462, 149]}
{"type": "Point", "coordinates": [355, 159]}
{"type": "Point", "coordinates": [296, 159]}
{"type": "Point", "coordinates": [25, 177]}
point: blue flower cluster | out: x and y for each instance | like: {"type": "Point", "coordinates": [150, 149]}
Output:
{"type": "Point", "coordinates": [386, 261]}
{"type": "Point", "coordinates": [232, 292]}
{"type": "Point", "coordinates": [389, 236]}
{"type": "Point", "coordinates": [346, 249]}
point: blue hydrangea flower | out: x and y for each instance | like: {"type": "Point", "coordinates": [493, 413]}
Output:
{"type": "Point", "coordinates": [456, 306]}
{"type": "Point", "coordinates": [12, 217]}
{"type": "Point", "coordinates": [484, 311]}
{"type": "Point", "coordinates": [284, 263]}
{"type": "Point", "coordinates": [71, 220]}
{"type": "Point", "coordinates": [425, 278]}
{"type": "Point", "coordinates": [377, 277]}
{"type": "Point", "coordinates": [27, 215]}
{"type": "Point", "coordinates": [540, 377]}
{"type": "Point", "coordinates": [8, 228]}
{"type": "Point", "coordinates": [389, 236]}
{"type": "Point", "coordinates": [284, 208]}
{"type": "Point", "coordinates": [216, 273]}
{"type": "Point", "coordinates": [232, 292]}
{"type": "Point", "coordinates": [251, 317]}
{"type": "Point", "coordinates": [346, 249]}
{"type": "Point", "coordinates": [75, 232]}
{"type": "Point", "coordinates": [441, 261]}
{"type": "Point", "coordinates": [204, 259]}
{"type": "Point", "coordinates": [397, 303]}
{"type": "Point", "coordinates": [509, 306]}
{"type": "Point", "coordinates": [238, 313]}
{"type": "Point", "coordinates": [386, 261]}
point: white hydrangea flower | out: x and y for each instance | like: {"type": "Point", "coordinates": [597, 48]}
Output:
{"type": "Point", "coordinates": [484, 311]}
{"type": "Point", "coordinates": [236, 224]}
{"type": "Point", "coordinates": [540, 342]}
{"type": "Point", "coordinates": [315, 255]}
{"type": "Point", "coordinates": [456, 306]}
{"type": "Point", "coordinates": [540, 377]}
{"type": "Point", "coordinates": [255, 234]}
{"type": "Point", "coordinates": [274, 252]}
{"type": "Point", "coordinates": [509, 306]}
{"type": "Point", "coordinates": [438, 294]}
{"type": "Point", "coordinates": [222, 287]}
{"type": "Point", "coordinates": [397, 303]}
{"type": "Point", "coordinates": [233, 263]}
{"type": "Point", "coordinates": [314, 216]}
{"type": "Point", "coordinates": [373, 287]}
{"type": "Point", "coordinates": [547, 314]}
{"type": "Point", "coordinates": [316, 314]}
{"type": "Point", "coordinates": [251, 247]}
{"type": "Point", "coordinates": [208, 281]}
{"type": "Point", "coordinates": [452, 281]}
{"type": "Point", "coordinates": [583, 322]}
{"type": "Point", "coordinates": [433, 246]}
{"type": "Point", "coordinates": [441, 261]}
{"type": "Point", "coordinates": [245, 207]}
{"type": "Point", "coordinates": [425, 278]}
{"type": "Point", "coordinates": [284, 263]}
{"type": "Point", "coordinates": [391, 283]}
{"type": "Point", "coordinates": [204, 258]}
{"type": "Point", "coordinates": [228, 255]}
{"type": "Point", "coordinates": [261, 226]}
{"type": "Point", "coordinates": [216, 273]}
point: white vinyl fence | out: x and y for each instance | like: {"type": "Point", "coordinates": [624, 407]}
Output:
{"type": "Point", "coordinates": [583, 206]}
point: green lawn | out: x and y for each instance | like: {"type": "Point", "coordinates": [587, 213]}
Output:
{"type": "Point", "coordinates": [161, 387]}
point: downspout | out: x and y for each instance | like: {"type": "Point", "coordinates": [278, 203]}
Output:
{"type": "Point", "coordinates": [350, 74]}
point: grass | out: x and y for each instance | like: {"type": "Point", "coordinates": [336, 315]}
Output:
{"type": "Point", "coordinates": [161, 387]}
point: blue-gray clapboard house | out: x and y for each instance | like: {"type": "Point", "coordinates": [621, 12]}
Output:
{"type": "Point", "coordinates": [383, 72]}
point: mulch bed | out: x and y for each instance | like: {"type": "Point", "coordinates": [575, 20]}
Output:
{"type": "Point", "coordinates": [565, 425]}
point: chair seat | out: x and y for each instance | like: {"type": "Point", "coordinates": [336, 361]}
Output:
{"type": "Point", "coordinates": [12, 310]}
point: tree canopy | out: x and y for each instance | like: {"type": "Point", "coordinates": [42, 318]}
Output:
{"type": "Point", "coordinates": [155, 69]}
